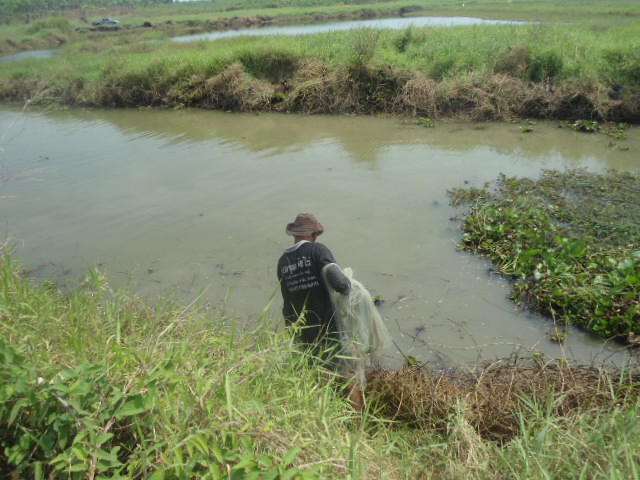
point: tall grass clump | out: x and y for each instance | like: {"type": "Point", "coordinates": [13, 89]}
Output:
{"type": "Point", "coordinates": [270, 63]}
{"type": "Point", "coordinates": [51, 32]}
{"type": "Point", "coordinates": [61, 24]}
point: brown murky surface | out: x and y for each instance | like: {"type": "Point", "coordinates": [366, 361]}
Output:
{"type": "Point", "coordinates": [196, 203]}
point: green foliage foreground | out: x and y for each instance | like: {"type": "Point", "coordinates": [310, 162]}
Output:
{"type": "Point", "coordinates": [97, 384]}
{"type": "Point", "coordinates": [569, 239]}
{"type": "Point", "coordinates": [94, 384]}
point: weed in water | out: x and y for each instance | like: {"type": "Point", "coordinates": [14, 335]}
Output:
{"type": "Point", "coordinates": [569, 238]}
{"type": "Point", "coordinates": [427, 122]}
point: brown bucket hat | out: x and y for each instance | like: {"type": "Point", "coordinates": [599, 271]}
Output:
{"type": "Point", "coordinates": [305, 225]}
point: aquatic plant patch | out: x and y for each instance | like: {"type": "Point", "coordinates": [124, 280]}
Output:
{"type": "Point", "coordinates": [569, 240]}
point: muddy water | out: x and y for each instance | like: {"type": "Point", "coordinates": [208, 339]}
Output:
{"type": "Point", "coordinates": [196, 203]}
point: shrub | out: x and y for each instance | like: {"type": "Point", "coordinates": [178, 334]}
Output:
{"type": "Point", "coordinates": [545, 66]}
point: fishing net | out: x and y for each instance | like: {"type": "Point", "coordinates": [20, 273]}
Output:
{"type": "Point", "coordinates": [361, 328]}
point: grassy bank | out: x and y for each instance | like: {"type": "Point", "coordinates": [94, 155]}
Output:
{"type": "Point", "coordinates": [97, 383]}
{"type": "Point", "coordinates": [569, 240]}
{"type": "Point", "coordinates": [588, 69]}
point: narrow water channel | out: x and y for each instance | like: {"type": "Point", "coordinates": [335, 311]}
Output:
{"type": "Point", "coordinates": [195, 203]}
{"type": "Point", "coordinates": [378, 23]}
{"type": "Point", "coordinates": [310, 29]}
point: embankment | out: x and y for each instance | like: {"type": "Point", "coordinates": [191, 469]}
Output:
{"type": "Point", "coordinates": [488, 72]}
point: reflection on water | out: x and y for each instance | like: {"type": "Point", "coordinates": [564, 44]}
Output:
{"type": "Point", "coordinates": [365, 138]}
{"type": "Point", "coordinates": [198, 201]}
{"type": "Point", "coordinates": [379, 23]}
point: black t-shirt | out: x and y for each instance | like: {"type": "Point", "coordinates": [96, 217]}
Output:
{"type": "Point", "coordinates": [302, 289]}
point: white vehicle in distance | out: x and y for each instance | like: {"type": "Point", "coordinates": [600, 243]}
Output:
{"type": "Point", "coordinates": [105, 21]}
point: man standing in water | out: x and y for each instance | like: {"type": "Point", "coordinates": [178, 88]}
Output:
{"type": "Point", "coordinates": [306, 298]}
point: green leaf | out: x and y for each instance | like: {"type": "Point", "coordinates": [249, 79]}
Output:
{"type": "Point", "coordinates": [290, 456]}
{"type": "Point", "coordinates": [217, 452]}
{"type": "Point", "coordinates": [38, 472]}
{"type": "Point", "coordinates": [79, 453]}
{"type": "Point", "coordinates": [108, 456]}
{"type": "Point", "coordinates": [251, 475]}
{"type": "Point", "coordinates": [157, 475]}
{"type": "Point", "coordinates": [271, 474]}
{"type": "Point", "coordinates": [200, 443]}
{"type": "Point", "coordinates": [626, 264]}
{"type": "Point", "coordinates": [103, 438]}
{"type": "Point", "coordinates": [16, 410]}
{"type": "Point", "coordinates": [78, 467]}
{"type": "Point", "coordinates": [134, 405]}
{"type": "Point", "coordinates": [264, 461]}
{"type": "Point", "coordinates": [246, 460]}
{"type": "Point", "coordinates": [20, 385]}
{"type": "Point", "coordinates": [292, 472]}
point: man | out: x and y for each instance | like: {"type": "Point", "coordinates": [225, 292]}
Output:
{"type": "Point", "coordinates": [306, 298]}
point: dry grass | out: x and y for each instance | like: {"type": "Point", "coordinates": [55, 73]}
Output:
{"type": "Point", "coordinates": [492, 399]}
{"type": "Point", "coordinates": [469, 101]}
{"type": "Point", "coordinates": [313, 86]}
{"type": "Point", "coordinates": [234, 89]}
{"type": "Point", "coordinates": [418, 96]}
{"type": "Point", "coordinates": [312, 89]}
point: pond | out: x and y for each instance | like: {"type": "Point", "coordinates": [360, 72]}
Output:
{"type": "Point", "coordinates": [378, 23]}
{"type": "Point", "coordinates": [194, 203]}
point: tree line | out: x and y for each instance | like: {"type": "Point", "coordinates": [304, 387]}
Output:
{"type": "Point", "coordinates": [26, 9]}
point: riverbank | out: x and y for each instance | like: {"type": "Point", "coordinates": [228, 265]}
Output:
{"type": "Point", "coordinates": [166, 390]}
{"type": "Point", "coordinates": [363, 72]}
{"type": "Point", "coordinates": [585, 70]}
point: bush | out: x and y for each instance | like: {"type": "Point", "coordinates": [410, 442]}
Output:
{"type": "Point", "coordinates": [545, 66]}
{"type": "Point", "coordinates": [61, 24]}
{"type": "Point", "coordinates": [269, 64]}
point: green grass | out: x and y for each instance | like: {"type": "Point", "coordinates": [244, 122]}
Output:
{"type": "Point", "coordinates": [202, 15]}
{"type": "Point", "coordinates": [494, 72]}
{"type": "Point", "coordinates": [586, 68]}
{"type": "Point", "coordinates": [97, 383]}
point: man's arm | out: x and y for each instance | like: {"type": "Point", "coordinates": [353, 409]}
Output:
{"type": "Point", "coordinates": [338, 280]}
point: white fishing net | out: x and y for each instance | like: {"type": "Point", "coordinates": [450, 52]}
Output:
{"type": "Point", "coordinates": [362, 329]}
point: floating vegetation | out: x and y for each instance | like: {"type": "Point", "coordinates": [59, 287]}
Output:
{"type": "Point", "coordinates": [591, 126]}
{"type": "Point", "coordinates": [587, 126]}
{"type": "Point", "coordinates": [570, 240]}
{"type": "Point", "coordinates": [557, 335]}
{"type": "Point", "coordinates": [378, 300]}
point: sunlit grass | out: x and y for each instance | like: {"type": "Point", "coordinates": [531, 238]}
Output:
{"type": "Point", "coordinates": [435, 51]}
{"type": "Point", "coordinates": [147, 389]}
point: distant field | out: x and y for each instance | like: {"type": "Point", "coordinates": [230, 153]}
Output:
{"type": "Point", "coordinates": [577, 60]}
